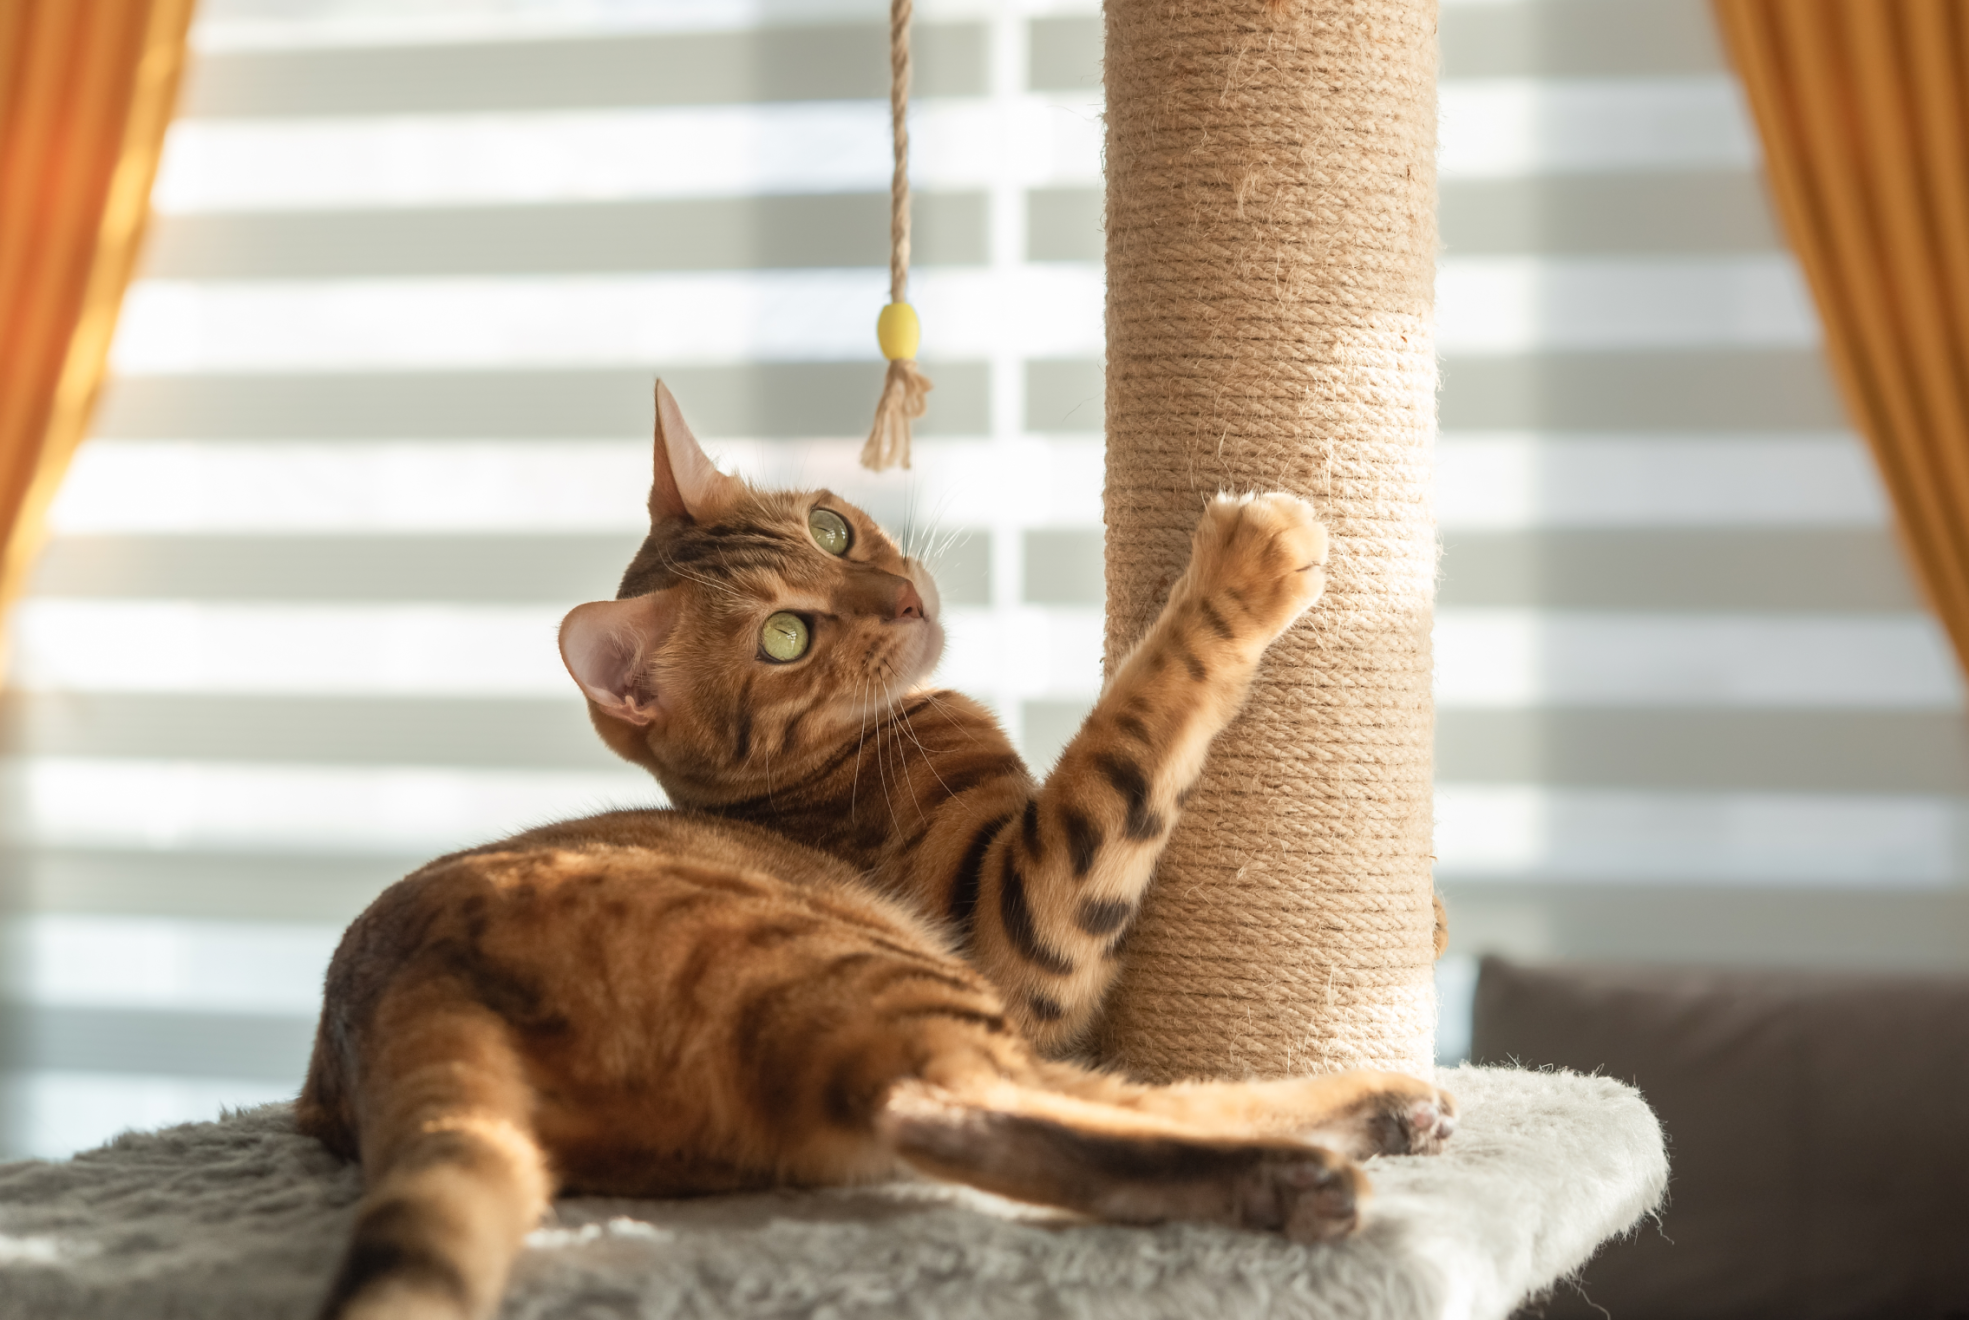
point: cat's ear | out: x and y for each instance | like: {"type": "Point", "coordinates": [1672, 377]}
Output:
{"type": "Point", "coordinates": [687, 484]}
{"type": "Point", "coordinates": [607, 647]}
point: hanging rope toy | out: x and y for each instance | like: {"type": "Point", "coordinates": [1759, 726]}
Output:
{"type": "Point", "coordinates": [896, 329]}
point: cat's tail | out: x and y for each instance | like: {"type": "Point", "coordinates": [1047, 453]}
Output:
{"type": "Point", "coordinates": [455, 1178]}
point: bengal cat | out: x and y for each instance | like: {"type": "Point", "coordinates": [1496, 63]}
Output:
{"type": "Point", "coordinates": [863, 939]}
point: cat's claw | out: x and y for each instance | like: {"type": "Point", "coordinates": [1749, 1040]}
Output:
{"type": "Point", "coordinates": [1266, 554]}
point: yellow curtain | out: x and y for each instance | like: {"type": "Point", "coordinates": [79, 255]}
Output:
{"type": "Point", "coordinates": [1863, 107]}
{"type": "Point", "coordinates": [86, 88]}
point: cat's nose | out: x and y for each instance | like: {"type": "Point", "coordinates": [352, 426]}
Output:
{"type": "Point", "coordinates": [909, 605]}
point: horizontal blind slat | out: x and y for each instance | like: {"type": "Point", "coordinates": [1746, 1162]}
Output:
{"type": "Point", "coordinates": [1678, 568]}
{"type": "Point", "coordinates": [1541, 656]}
{"type": "Point", "coordinates": [1669, 211]}
{"type": "Point", "coordinates": [1797, 840]}
{"type": "Point", "coordinates": [1816, 751]}
{"type": "Point", "coordinates": [746, 233]}
{"type": "Point", "coordinates": [141, 1041]}
{"type": "Point", "coordinates": [515, 732]}
{"type": "Point", "coordinates": [1712, 920]}
{"type": "Point", "coordinates": [835, 61]}
{"type": "Point", "coordinates": [790, 400]}
{"type": "Point", "coordinates": [197, 883]}
{"type": "Point", "coordinates": [1724, 389]}
{"type": "Point", "coordinates": [1575, 38]}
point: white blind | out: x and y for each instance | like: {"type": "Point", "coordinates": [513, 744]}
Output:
{"type": "Point", "coordinates": [380, 415]}
{"type": "Point", "coordinates": [1691, 708]}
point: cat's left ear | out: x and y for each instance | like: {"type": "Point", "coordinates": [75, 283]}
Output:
{"type": "Point", "coordinates": [607, 647]}
{"type": "Point", "coordinates": [687, 483]}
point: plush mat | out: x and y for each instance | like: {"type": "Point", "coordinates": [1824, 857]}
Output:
{"type": "Point", "coordinates": [242, 1219]}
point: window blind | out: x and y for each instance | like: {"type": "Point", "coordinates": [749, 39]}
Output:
{"type": "Point", "coordinates": [1690, 707]}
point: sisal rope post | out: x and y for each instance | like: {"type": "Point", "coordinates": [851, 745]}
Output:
{"type": "Point", "coordinates": [896, 329]}
{"type": "Point", "coordinates": [1271, 245]}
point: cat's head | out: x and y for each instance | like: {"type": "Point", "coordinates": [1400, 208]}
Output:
{"type": "Point", "coordinates": [753, 629]}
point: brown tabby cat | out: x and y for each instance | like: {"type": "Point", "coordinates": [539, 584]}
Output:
{"type": "Point", "coordinates": [862, 940]}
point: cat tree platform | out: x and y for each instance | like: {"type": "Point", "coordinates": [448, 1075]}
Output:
{"type": "Point", "coordinates": [243, 1219]}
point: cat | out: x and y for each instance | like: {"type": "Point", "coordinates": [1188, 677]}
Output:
{"type": "Point", "coordinates": [862, 940]}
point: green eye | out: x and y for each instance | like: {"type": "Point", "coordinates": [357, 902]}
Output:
{"type": "Point", "coordinates": [784, 637]}
{"type": "Point", "coordinates": [830, 531]}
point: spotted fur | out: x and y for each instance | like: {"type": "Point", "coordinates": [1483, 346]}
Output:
{"type": "Point", "coordinates": [863, 936]}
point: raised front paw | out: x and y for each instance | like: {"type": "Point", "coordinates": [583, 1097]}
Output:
{"type": "Point", "coordinates": [1258, 559]}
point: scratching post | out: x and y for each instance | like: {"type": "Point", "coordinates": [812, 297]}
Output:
{"type": "Point", "coordinates": [1271, 245]}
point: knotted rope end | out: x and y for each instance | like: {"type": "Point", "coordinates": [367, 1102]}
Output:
{"type": "Point", "coordinates": [903, 392]}
{"type": "Point", "coordinates": [904, 398]}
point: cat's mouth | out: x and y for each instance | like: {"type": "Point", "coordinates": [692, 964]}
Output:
{"type": "Point", "coordinates": [910, 652]}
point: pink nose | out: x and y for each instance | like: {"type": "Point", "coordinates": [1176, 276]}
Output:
{"type": "Point", "coordinates": [909, 605]}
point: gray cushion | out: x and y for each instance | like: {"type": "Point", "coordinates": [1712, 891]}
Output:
{"type": "Point", "coordinates": [243, 1219]}
{"type": "Point", "coordinates": [1818, 1130]}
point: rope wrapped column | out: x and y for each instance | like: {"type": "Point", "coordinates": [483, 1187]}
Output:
{"type": "Point", "coordinates": [1271, 245]}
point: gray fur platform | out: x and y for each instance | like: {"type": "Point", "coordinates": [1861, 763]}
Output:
{"type": "Point", "coordinates": [242, 1220]}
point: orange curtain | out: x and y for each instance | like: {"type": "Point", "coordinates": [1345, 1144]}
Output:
{"type": "Point", "coordinates": [1863, 106]}
{"type": "Point", "coordinates": [86, 88]}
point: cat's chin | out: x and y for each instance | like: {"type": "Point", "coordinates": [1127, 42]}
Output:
{"type": "Point", "coordinates": [932, 652]}
{"type": "Point", "coordinates": [915, 660]}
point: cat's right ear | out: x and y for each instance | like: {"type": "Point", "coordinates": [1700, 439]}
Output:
{"type": "Point", "coordinates": [687, 484]}
{"type": "Point", "coordinates": [607, 647]}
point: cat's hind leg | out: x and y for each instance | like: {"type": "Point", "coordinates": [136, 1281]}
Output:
{"type": "Point", "coordinates": [454, 1178]}
{"type": "Point", "coordinates": [1360, 1113]}
{"type": "Point", "coordinates": [1274, 1155]}
{"type": "Point", "coordinates": [1031, 1144]}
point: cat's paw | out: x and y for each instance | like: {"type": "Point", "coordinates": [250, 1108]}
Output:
{"type": "Point", "coordinates": [1408, 1117]}
{"type": "Point", "coordinates": [1259, 557]}
{"type": "Point", "coordinates": [1310, 1195]}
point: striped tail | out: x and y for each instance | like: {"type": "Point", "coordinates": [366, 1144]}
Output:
{"type": "Point", "coordinates": [455, 1182]}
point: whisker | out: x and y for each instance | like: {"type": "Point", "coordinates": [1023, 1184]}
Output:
{"type": "Point", "coordinates": [769, 777]}
{"type": "Point", "coordinates": [920, 533]}
{"type": "Point", "coordinates": [910, 527]}
{"type": "Point", "coordinates": [970, 733]}
{"type": "Point", "coordinates": [928, 761]}
{"type": "Point", "coordinates": [901, 719]}
{"type": "Point", "coordinates": [881, 770]}
{"type": "Point", "coordinates": [922, 529]}
{"type": "Point", "coordinates": [861, 741]}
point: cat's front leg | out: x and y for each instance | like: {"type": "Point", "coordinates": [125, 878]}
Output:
{"type": "Point", "coordinates": [1058, 890]}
